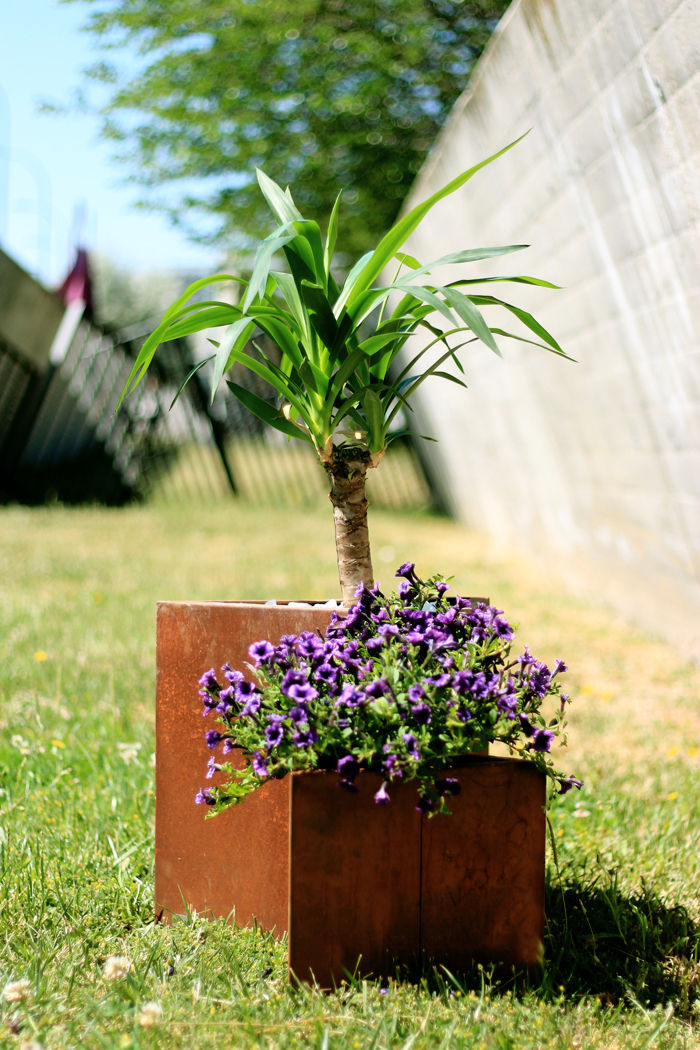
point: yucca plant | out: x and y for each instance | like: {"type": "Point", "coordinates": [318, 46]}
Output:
{"type": "Point", "coordinates": [340, 379]}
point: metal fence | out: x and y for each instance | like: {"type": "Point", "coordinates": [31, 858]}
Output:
{"type": "Point", "coordinates": [62, 438]}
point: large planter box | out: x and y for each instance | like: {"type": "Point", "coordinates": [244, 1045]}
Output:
{"type": "Point", "coordinates": [349, 881]}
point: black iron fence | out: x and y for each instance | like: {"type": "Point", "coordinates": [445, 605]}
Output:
{"type": "Point", "coordinates": [61, 437]}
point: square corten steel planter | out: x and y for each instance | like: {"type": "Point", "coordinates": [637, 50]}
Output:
{"type": "Point", "coordinates": [357, 886]}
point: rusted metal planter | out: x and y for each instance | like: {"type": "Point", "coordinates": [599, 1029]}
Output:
{"type": "Point", "coordinates": [347, 879]}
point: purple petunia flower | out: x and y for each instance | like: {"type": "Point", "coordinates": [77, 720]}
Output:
{"type": "Point", "coordinates": [381, 797]}
{"type": "Point", "coordinates": [567, 783]}
{"type": "Point", "coordinates": [348, 767]}
{"type": "Point", "coordinates": [227, 699]}
{"type": "Point", "coordinates": [416, 692]}
{"type": "Point", "coordinates": [411, 746]}
{"type": "Point", "coordinates": [261, 652]}
{"type": "Point", "coordinates": [205, 797]}
{"type": "Point", "coordinates": [252, 704]}
{"type": "Point", "coordinates": [302, 693]}
{"type": "Point", "coordinates": [542, 740]}
{"type": "Point", "coordinates": [425, 804]}
{"type": "Point", "coordinates": [208, 680]}
{"type": "Point", "coordinates": [406, 570]}
{"type": "Point", "coordinates": [259, 765]}
{"type": "Point", "coordinates": [379, 687]}
{"type": "Point", "coordinates": [559, 667]}
{"type": "Point", "coordinates": [526, 725]}
{"type": "Point", "coordinates": [422, 714]}
{"type": "Point", "coordinates": [304, 737]}
{"type": "Point", "coordinates": [213, 737]}
{"type": "Point", "coordinates": [275, 730]}
{"type": "Point", "coordinates": [231, 676]}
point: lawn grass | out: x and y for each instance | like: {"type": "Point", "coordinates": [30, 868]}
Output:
{"type": "Point", "coordinates": [78, 589]}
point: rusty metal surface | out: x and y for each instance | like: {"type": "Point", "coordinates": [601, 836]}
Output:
{"type": "Point", "coordinates": [374, 885]}
{"type": "Point", "coordinates": [354, 878]}
{"type": "Point", "coordinates": [483, 868]}
{"type": "Point", "coordinates": [239, 859]}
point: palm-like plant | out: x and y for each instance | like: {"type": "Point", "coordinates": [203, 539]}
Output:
{"type": "Point", "coordinates": [337, 380]}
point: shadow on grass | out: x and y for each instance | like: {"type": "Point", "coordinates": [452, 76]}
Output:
{"type": "Point", "coordinates": [601, 941]}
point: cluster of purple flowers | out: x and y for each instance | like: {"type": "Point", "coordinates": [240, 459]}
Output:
{"type": "Point", "coordinates": [399, 685]}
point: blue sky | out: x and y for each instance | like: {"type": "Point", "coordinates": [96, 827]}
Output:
{"type": "Point", "coordinates": [52, 166]}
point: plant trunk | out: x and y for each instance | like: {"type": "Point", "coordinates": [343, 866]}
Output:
{"type": "Point", "coordinates": [347, 471]}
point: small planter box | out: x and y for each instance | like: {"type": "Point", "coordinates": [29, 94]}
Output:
{"type": "Point", "coordinates": [349, 881]}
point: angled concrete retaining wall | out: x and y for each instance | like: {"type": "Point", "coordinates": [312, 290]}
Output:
{"type": "Point", "coordinates": [594, 466]}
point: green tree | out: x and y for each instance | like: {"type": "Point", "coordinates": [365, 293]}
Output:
{"type": "Point", "coordinates": [319, 93]}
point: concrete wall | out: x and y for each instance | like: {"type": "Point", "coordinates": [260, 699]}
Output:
{"type": "Point", "coordinates": [594, 466]}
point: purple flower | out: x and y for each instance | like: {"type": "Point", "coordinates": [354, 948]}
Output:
{"type": "Point", "coordinates": [542, 740]}
{"type": "Point", "coordinates": [350, 696]}
{"type": "Point", "coordinates": [416, 692]}
{"type": "Point", "coordinates": [213, 737]}
{"type": "Point", "coordinates": [379, 687]}
{"type": "Point", "coordinates": [411, 746]}
{"type": "Point", "coordinates": [231, 675]}
{"type": "Point", "coordinates": [302, 693]}
{"type": "Point", "coordinates": [425, 804]}
{"type": "Point", "coordinates": [567, 783]}
{"type": "Point", "coordinates": [304, 737]}
{"type": "Point", "coordinates": [299, 715]}
{"type": "Point", "coordinates": [440, 680]}
{"type": "Point", "coordinates": [211, 768]}
{"type": "Point", "coordinates": [392, 767]}
{"type": "Point", "coordinates": [275, 730]}
{"type": "Point", "coordinates": [205, 797]}
{"type": "Point", "coordinates": [347, 767]}
{"type": "Point", "coordinates": [406, 570]}
{"type": "Point", "coordinates": [259, 765]}
{"type": "Point", "coordinates": [252, 704]}
{"type": "Point", "coordinates": [381, 797]}
{"type": "Point", "coordinates": [422, 714]}
{"type": "Point", "coordinates": [208, 681]}
{"type": "Point", "coordinates": [559, 667]}
{"type": "Point", "coordinates": [227, 699]}
{"type": "Point", "coordinates": [441, 587]}
{"type": "Point", "coordinates": [404, 589]}
{"type": "Point", "coordinates": [526, 725]}
{"type": "Point", "coordinates": [261, 652]}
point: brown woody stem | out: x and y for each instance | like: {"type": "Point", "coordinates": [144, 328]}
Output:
{"type": "Point", "coordinates": [347, 471]}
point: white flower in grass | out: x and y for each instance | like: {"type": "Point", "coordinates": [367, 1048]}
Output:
{"type": "Point", "coordinates": [128, 752]}
{"type": "Point", "coordinates": [116, 967]}
{"type": "Point", "coordinates": [17, 991]}
{"type": "Point", "coordinates": [150, 1014]}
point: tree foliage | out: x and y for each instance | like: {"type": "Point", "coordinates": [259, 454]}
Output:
{"type": "Point", "coordinates": [319, 93]}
